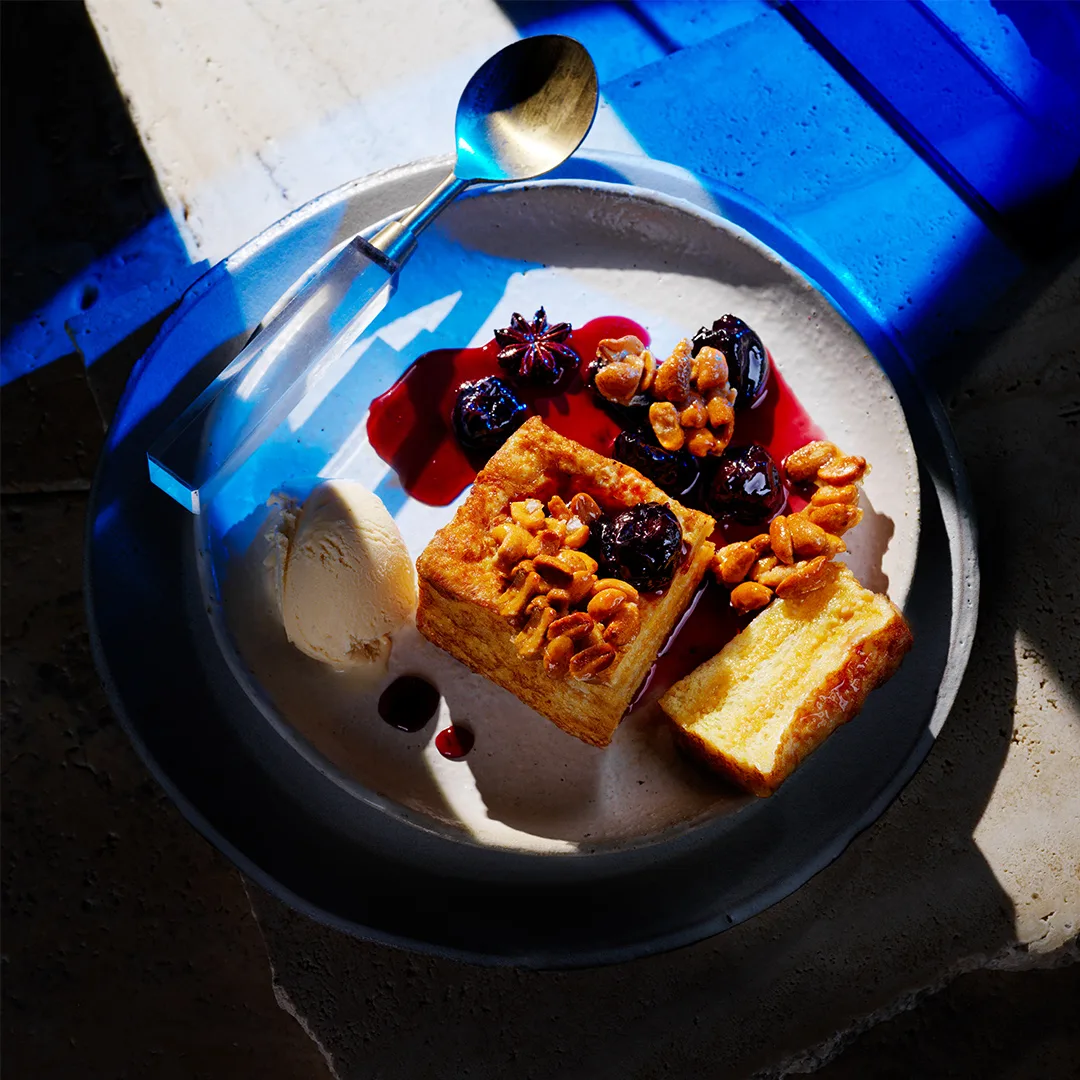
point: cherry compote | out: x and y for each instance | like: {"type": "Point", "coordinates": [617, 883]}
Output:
{"type": "Point", "coordinates": [747, 487]}
{"type": "Point", "coordinates": [486, 413]}
{"type": "Point", "coordinates": [641, 545]}
{"type": "Point", "coordinates": [747, 360]}
{"type": "Point", "coordinates": [675, 471]}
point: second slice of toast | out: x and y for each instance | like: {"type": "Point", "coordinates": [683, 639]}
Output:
{"type": "Point", "coordinates": [777, 690]}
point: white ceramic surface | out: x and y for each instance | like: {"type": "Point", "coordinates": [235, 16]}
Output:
{"type": "Point", "coordinates": [583, 250]}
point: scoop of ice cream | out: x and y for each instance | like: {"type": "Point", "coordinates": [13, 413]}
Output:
{"type": "Point", "coordinates": [348, 580]}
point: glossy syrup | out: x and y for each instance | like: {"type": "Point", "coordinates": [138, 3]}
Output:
{"type": "Point", "coordinates": [454, 742]}
{"type": "Point", "coordinates": [408, 703]}
{"type": "Point", "coordinates": [409, 428]}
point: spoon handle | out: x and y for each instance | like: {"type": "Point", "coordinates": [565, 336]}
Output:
{"type": "Point", "coordinates": [298, 347]}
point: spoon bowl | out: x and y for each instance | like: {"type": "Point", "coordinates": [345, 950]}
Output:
{"type": "Point", "coordinates": [526, 110]}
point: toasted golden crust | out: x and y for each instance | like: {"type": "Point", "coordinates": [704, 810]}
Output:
{"type": "Point", "coordinates": [459, 584]}
{"type": "Point", "coordinates": [781, 687]}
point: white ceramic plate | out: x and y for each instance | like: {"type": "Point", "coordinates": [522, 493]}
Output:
{"type": "Point", "coordinates": [535, 849]}
{"type": "Point", "coordinates": [582, 250]}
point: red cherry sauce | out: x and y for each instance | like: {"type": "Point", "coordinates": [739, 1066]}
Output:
{"type": "Point", "coordinates": [780, 424]}
{"type": "Point", "coordinates": [409, 426]}
{"type": "Point", "coordinates": [454, 742]}
{"type": "Point", "coordinates": [408, 703]}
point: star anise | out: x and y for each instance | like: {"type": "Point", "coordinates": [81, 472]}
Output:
{"type": "Point", "coordinates": [535, 351]}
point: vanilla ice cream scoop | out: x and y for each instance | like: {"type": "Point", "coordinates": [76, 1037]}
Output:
{"type": "Point", "coordinates": [348, 581]}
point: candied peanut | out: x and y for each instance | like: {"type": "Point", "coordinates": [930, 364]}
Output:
{"type": "Point", "coordinates": [514, 546]}
{"type": "Point", "coordinates": [772, 578]}
{"type": "Point", "coordinates": [836, 544]}
{"type": "Point", "coordinates": [579, 560]}
{"type": "Point", "coordinates": [585, 508]}
{"type": "Point", "coordinates": [546, 542]}
{"type": "Point", "coordinates": [672, 382]}
{"type": "Point", "coordinates": [807, 538]}
{"type": "Point", "coordinates": [693, 414]}
{"type": "Point", "coordinates": [558, 653]}
{"type": "Point", "coordinates": [733, 562]}
{"type": "Point", "coordinates": [836, 518]}
{"type": "Point", "coordinates": [843, 470]}
{"type": "Point", "coordinates": [703, 442]}
{"type": "Point", "coordinates": [763, 565]}
{"type": "Point", "coordinates": [595, 636]}
{"type": "Point", "coordinates": [604, 603]}
{"type": "Point", "coordinates": [760, 543]}
{"type": "Point", "coordinates": [624, 625]}
{"type": "Point", "coordinates": [616, 583]}
{"type": "Point", "coordinates": [559, 599]}
{"type": "Point", "coordinates": [533, 634]}
{"type": "Point", "coordinates": [614, 349]}
{"type": "Point", "coordinates": [710, 368]}
{"type": "Point", "coordinates": [558, 508]}
{"type": "Point", "coordinates": [577, 534]}
{"type": "Point", "coordinates": [720, 412]}
{"type": "Point", "coordinates": [803, 464]}
{"type": "Point", "coordinates": [581, 586]}
{"type": "Point", "coordinates": [749, 596]}
{"type": "Point", "coordinates": [528, 513]}
{"type": "Point", "coordinates": [592, 660]}
{"type": "Point", "coordinates": [519, 592]}
{"type": "Point", "coordinates": [619, 381]}
{"type": "Point", "coordinates": [780, 538]}
{"type": "Point", "coordinates": [824, 496]}
{"type": "Point", "coordinates": [649, 374]}
{"type": "Point", "coordinates": [575, 625]}
{"type": "Point", "coordinates": [556, 526]}
{"type": "Point", "coordinates": [804, 578]}
{"type": "Point", "coordinates": [554, 570]}
{"type": "Point", "coordinates": [664, 419]}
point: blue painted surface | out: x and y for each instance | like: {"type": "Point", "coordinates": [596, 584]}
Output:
{"type": "Point", "coordinates": [937, 72]}
{"type": "Point", "coordinates": [801, 141]}
{"type": "Point", "coordinates": [153, 259]}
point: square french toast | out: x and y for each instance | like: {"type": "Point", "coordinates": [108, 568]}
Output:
{"type": "Point", "coordinates": [777, 690]}
{"type": "Point", "coordinates": [510, 589]}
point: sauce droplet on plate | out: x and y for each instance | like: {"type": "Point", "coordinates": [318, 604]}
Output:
{"type": "Point", "coordinates": [454, 742]}
{"type": "Point", "coordinates": [408, 703]}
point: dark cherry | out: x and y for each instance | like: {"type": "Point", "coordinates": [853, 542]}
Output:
{"type": "Point", "coordinates": [747, 487]}
{"type": "Point", "coordinates": [674, 471]}
{"type": "Point", "coordinates": [486, 413]}
{"type": "Point", "coordinates": [748, 362]}
{"type": "Point", "coordinates": [641, 545]}
{"type": "Point", "coordinates": [408, 703]}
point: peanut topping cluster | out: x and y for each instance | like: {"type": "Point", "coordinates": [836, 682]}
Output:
{"type": "Point", "coordinates": [790, 559]}
{"type": "Point", "coordinates": [563, 612]}
{"type": "Point", "coordinates": [692, 401]}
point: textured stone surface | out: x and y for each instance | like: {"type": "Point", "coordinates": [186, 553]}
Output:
{"type": "Point", "coordinates": [129, 946]}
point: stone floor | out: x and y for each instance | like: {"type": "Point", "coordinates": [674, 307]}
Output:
{"type": "Point", "coordinates": [943, 943]}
